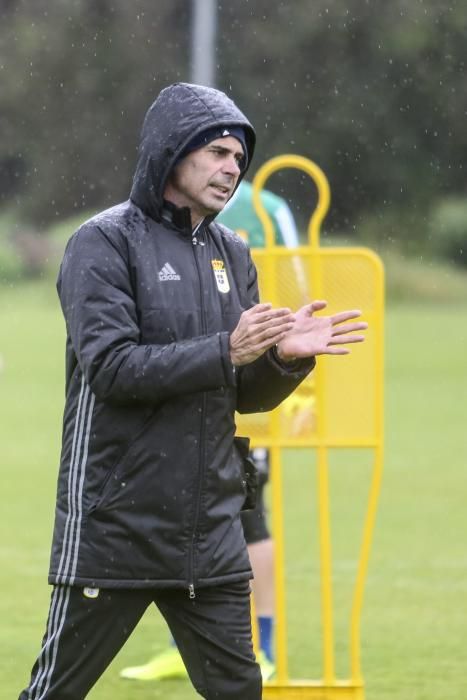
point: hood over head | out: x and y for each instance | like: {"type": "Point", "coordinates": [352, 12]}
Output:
{"type": "Point", "coordinates": [180, 113]}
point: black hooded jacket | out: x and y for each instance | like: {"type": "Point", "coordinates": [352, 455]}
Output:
{"type": "Point", "coordinates": [151, 483]}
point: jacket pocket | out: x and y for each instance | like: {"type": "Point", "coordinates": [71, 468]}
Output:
{"type": "Point", "coordinates": [250, 473]}
{"type": "Point", "coordinates": [117, 471]}
{"type": "Point", "coordinates": [106, 485]}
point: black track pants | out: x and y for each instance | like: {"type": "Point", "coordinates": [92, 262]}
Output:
{"type": "Point", "coordinates": [212, 632]}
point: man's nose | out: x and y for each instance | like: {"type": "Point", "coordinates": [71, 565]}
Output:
{"type": "Point", "coordinates": [232, 166]}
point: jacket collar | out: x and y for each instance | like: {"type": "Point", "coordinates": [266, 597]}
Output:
{"type": "Point", "coordinates": [176, 217]}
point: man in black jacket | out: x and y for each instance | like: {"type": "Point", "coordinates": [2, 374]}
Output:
{"type": "Point", "coordinates": [166, 338]}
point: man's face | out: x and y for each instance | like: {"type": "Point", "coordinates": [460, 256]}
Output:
{"type": "Point", "coordinates": [205, 179]}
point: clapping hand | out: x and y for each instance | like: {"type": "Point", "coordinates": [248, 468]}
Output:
{"type": "Point", "coordinates": [259, 329]}
{"type": "Point", "coordinates": [320, 335]}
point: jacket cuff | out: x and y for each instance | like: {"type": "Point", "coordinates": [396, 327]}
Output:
{"type": "Point", "coordinates": [229, 369]}
{"type": "Point", "coordinates": [297, 366]}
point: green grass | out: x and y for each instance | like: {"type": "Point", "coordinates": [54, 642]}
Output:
{"type": "Point", "coordinates": [414, 624]}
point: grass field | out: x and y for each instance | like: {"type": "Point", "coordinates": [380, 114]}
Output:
{"type": "Point", "coordinates": [414, 626]}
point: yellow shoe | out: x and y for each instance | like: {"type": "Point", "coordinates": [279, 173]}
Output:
{"type": "Point", "coordinates": [268, 668]}
{"type": "Point", "coordinates": [167, 664]}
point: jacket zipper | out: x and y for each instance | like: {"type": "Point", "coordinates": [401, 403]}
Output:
{"type": "Point", "coordinates": [201, 452]}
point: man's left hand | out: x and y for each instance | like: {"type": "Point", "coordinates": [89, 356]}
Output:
{"type": "Point", "coordinates": [320, 335]}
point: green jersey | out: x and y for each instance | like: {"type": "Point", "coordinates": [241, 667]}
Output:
{"type": "Point", "coordinates": [239, 215]}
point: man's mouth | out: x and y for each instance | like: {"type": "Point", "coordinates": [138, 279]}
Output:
{"type": "Point", "coordinates": [221, 188]}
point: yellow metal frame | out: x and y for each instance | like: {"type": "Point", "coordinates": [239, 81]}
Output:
{"type": "Point", "coordinates": [329, 687]}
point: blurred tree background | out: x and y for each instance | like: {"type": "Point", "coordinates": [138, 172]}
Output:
{"type": "Point", "coordinates": [373, 91]}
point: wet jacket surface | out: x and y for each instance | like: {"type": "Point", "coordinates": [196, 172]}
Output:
{"type": "Point", "coordinates": [151, 484]}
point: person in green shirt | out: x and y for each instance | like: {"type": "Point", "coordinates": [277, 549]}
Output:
{"type": "Point", "coordinates": [239, 215]}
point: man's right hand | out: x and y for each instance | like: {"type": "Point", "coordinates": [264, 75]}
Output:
{"type": "Point", "coordinates": [258, 329]}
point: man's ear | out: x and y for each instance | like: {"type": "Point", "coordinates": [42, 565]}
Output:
{"type": "Point", "coordinates": [168, 185]}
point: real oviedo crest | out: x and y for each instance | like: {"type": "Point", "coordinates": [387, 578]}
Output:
{"type": "Point", "coordinates": [220, 273]}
